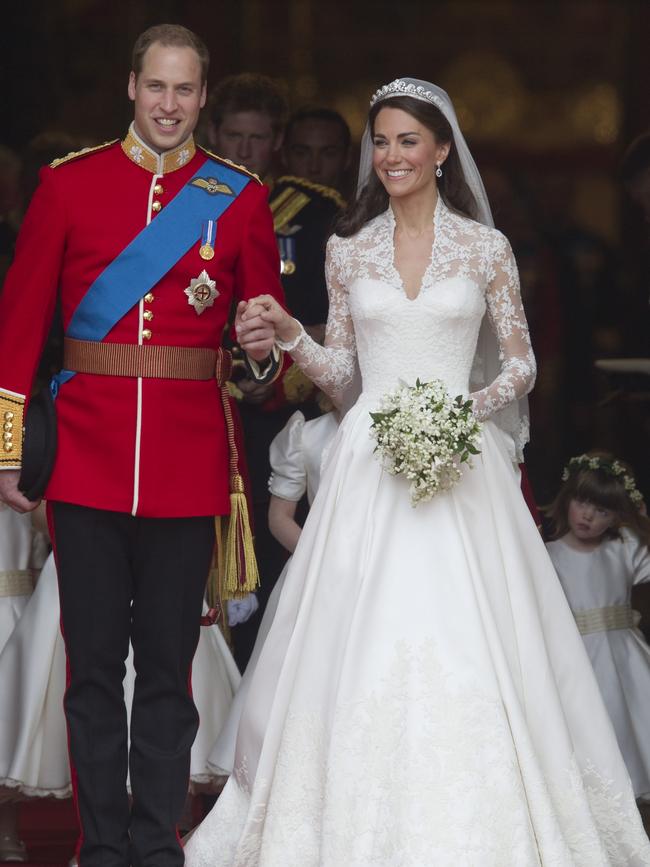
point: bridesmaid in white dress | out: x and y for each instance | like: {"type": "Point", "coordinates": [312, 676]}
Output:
{"type": "Point", "coordinates": [600, 552]}
{"type": "Point", "coordinates": [423, 696]}
{"type": "Point", "coordinates": [23, 549]}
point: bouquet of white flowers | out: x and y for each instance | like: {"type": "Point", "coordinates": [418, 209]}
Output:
{"type": "Point", "coordinates": [426, 435]}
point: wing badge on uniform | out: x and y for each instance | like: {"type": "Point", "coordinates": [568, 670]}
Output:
{"type": "Point", "coordinates": [201, 292]}
{"type": "Point", "coordinates": [212, 186]}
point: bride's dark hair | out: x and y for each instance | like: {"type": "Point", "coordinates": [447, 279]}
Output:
{"type": "Point", "coordinates": [373, 199]}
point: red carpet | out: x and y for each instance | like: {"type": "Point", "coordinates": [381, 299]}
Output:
{"type": "Point", "coordinates": [49, 829]}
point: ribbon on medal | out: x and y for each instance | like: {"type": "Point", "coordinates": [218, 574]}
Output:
{"type": "Point", "coordinates": [206, 250]}
{"type": "Point", "coordinates": [287, 248]}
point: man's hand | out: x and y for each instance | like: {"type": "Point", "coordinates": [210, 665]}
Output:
{"type": "Point", "coordinates": [10, 494]}
{"type": "Point", "coordinates": [255, 336]}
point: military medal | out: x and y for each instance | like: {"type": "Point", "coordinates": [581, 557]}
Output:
{"type": "Point", "coordinates": [287, 247]}
{"type": "Point", "coordinates": [206, 250]}
{"type": "Point", "coordinates": [201, 292]}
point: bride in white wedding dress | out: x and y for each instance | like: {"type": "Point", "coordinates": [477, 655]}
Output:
{"type": "Point", "coordinates": [423, 697]}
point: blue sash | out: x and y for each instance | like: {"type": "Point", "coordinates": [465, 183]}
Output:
{"type": "Point", "coordinates": [152, 253]}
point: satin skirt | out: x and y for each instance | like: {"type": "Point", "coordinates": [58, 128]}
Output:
{"type": "Point", "coordinates": [423, 696]}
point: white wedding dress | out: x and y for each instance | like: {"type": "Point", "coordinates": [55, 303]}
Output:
{"type": "Point", "coordinates": [423, 698]}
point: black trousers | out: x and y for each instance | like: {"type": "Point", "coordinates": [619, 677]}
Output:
{"type": "Point", "coordinates": [143, 579]}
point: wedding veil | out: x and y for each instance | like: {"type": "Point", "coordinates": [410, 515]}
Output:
{"type": "Point", "coordinates": [513, 419]}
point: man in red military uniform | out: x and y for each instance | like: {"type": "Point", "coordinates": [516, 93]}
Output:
{"type": "Point", "coordinates": [147, 241]}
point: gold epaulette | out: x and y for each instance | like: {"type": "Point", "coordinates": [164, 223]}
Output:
{"type": "Point", "coordinates": [287, 205]}
{"type": "Point", "coordinates": [73, 155]}
{"type": "Point", "coordinates": [327, 192]}
{"type": "Point", "coordinates": [230, 163]}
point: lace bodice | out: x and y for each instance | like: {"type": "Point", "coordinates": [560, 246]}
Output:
{"type": "Point", "coordinates": [472, 271]}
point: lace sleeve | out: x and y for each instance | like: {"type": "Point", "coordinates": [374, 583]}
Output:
{"type": "Point", "coordinates": [330, 367]}
{"type": "Point", "coordinates": [507, 318]}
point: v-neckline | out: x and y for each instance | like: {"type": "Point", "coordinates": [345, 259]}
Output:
{"type": "Point", "coordinates": [392, 224]}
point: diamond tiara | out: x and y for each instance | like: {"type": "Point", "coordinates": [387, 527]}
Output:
{"type": "Point", "coordinates": [403, 88]}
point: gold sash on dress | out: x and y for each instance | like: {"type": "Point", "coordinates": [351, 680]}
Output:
{"type": "Point", "coordinates": [16, 582]}
{"type": "Point", "coordinates": [606, 619]}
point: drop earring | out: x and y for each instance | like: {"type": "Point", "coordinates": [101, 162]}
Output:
{"type": "Point", "coordinates": [438, 171]}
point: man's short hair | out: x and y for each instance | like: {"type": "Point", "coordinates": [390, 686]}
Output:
{"type": "Point", "coordinates": [636, 159]}
{"type": "Point", "coordinates": [248, 91]}
{"type": "Point", "coordinates": [170, 35]}
{"type": "Point", "coordinates": [324, 114]}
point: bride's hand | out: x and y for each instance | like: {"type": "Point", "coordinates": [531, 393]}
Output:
{"type": "Point", "coordinates": [270, 312]}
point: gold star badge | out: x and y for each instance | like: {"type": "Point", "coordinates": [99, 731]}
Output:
{"type": "Point", "coordinates": [201, 292]}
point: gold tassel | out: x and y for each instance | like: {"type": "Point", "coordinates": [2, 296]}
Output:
{"type": "Point", "coordinates": [241, 575]}
{"type": "Point", "coordinates": [236, 563]}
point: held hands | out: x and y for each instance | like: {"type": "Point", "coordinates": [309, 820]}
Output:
{"type": "Point", "coordinates": [10, 494]}
{"type": "Point", "coordinates": [254, 335]}
{"type": "Point", "coordinates": [260, 317]}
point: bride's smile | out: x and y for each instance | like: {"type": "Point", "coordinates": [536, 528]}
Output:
{"type": "Point", "coordinates": [405, 153]}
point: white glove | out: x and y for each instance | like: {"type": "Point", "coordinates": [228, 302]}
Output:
{"type": "Point", "coordinates": [239, 610]}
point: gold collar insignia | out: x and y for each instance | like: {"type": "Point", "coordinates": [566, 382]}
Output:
{"type": "Point", "coordinates": [158, 164]}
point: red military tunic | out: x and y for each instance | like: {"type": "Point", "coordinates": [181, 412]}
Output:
{"type": "Point", "coordinates": [152, 447]}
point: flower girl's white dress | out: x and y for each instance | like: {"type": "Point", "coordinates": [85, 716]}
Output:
{"type": "Point", "coordinates": [599, 583]}
{"type": "Point", "coordinates": [423, 698]}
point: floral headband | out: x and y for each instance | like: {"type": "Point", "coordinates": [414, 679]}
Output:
{"type": "Point", "coordinates": [612, 468]}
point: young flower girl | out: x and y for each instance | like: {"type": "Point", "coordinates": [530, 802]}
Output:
{"type": "Point", "coordinates": [600, 551]}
